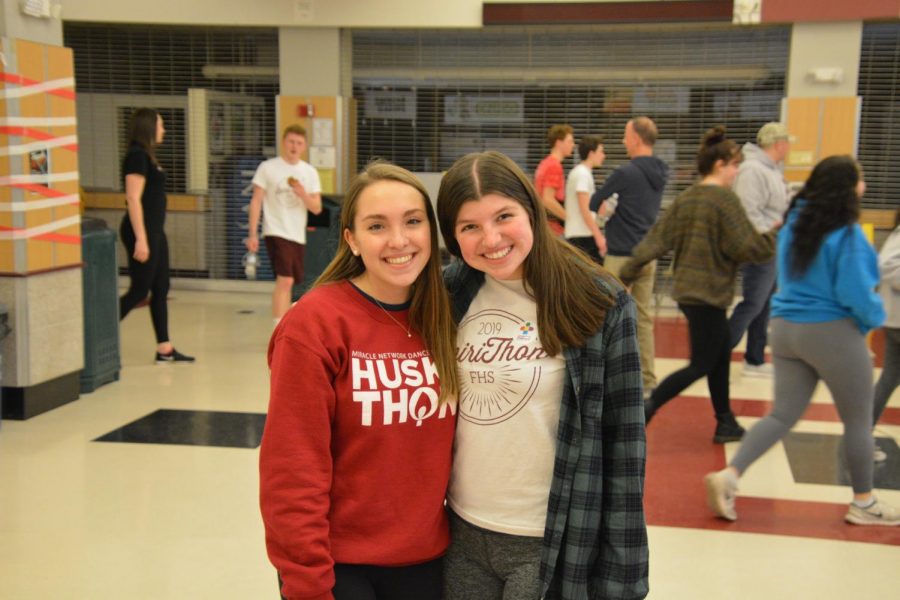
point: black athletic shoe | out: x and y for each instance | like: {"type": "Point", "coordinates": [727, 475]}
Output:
{"type": "Point", "coordinates": [728, 432]}
{"type": "Point", "coordinates": [173, 357]}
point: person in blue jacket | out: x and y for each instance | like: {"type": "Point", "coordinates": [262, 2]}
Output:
{"type": "Point", "coordinates": [826, 300]}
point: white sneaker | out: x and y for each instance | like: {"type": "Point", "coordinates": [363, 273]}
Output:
{"type": "Point", "coordinates": [880, 513]}
{"type": "Point", "coordinates": [763, 370]}
{"type": "Point", "coordinates": [721, 490]}
{"type": "Point", "coordinates": [879, 455]}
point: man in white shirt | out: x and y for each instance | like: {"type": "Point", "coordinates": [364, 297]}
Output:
{"type": "Point", "coordinates": [285, 189]}
{"type": "Point", "coordinates": [581, 224]}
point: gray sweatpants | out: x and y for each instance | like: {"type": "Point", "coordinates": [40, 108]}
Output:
{"type": "Point", "coordinates": [890, 374]}
{"type": "Point", "coordinates": [486, 565]}
{"type": "Point", "coordinates": [804, 353]}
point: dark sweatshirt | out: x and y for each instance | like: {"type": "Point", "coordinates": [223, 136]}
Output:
{"type": "Point", "coordinates": [639, 184]}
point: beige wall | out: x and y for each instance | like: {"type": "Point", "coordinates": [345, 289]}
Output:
{"type": "Point", "coordinates": [301, 76]}
{"type": "Point", "coordinates": [14, 24]}
{"type": "Point", "coordinates": [808, 52]}
{"type": "Point", "coordinates": [281, 13]}
{"type": "Point", "coordinates": [285, 13]}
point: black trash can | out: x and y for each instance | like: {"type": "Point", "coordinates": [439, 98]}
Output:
{"type": "Point", "coordinates": [4, 331]}
{"type": "Point", "coordinates": [321, 241]}
{"type": "Point", "coordinates": [101, 305]}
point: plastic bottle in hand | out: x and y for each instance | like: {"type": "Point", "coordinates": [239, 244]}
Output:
{"type": "Point", "coordinates": [250, 261]}
{"type": "Point", "coordinates": [607, 209]}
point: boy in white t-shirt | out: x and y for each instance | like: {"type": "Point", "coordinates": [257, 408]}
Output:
{"type": "Point", "coordinates": [581, 226]}
{"type": "Point", "coordinates": [287, 188]}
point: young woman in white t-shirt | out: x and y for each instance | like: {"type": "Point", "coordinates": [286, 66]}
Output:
{"type": "Point", "coordinates": [546, 486]}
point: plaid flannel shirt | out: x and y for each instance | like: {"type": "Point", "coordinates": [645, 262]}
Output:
{"type": "Point", "coordinates": [595, 539]}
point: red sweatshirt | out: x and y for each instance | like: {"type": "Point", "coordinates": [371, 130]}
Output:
{"type": "Point", "coordinates": [355, 456]}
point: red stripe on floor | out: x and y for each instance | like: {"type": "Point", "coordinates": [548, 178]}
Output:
{"type": "Point", "coordinates": [672, 341]}
{"type": "Point", "coordinates": [815, 412]}
{"type": "Point", "coordinates": [680, 452]}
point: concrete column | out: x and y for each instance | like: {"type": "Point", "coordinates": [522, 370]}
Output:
{"type": "Point", "coordinates": [40, 249]}
{"type": "Point", "coordinates": [309, 61]}
{"type": "Point", "coordinates": [822, 48]}
{"type": "Point", "coordinates": [311, 70]}
{"type": "Point", "coordinates": [15, 24]}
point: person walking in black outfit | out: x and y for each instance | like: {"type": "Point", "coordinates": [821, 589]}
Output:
{"type": "Point", "coordinates": [142, 229]}
{"type": "Point", "coordinates": [710, 234]}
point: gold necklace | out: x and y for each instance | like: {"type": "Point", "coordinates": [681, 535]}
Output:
{"type": "Point", "coordinates": [407, 330]}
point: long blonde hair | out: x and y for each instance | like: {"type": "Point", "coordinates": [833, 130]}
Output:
{"type": "Point", "coordinates": [429, 310]}
{"type": "Point", "coordinates": [561, 279]}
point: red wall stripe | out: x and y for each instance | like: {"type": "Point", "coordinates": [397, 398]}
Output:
{"type": "Point", "coordinates": [37, 188]}
{"type": "Point", "coordinates": [18, 79]}
{"type": "Point", "coordinates": [781, 11]}
{"type": "Point", "coordinates": [606, 12]}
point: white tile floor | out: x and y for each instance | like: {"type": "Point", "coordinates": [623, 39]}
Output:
{"type": "Point", "coordinates": [86, 520]}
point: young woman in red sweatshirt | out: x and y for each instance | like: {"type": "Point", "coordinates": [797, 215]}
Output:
{"type": "Point", "coordinates": [356, 452]}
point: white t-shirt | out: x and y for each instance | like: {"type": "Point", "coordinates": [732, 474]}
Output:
{"type": "Point", "coordinates": [509, 403]}
{"type": "Point", "coordinates": [284, 213]}
{"type": "Point", "coordinates": [580, 179]}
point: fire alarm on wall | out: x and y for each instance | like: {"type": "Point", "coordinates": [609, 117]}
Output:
{"type": "Point", "coordinates": [826, 75]}
{"type": "Point", "coordinates": [36, 8]}
{"type": "Point", "coordinates": [305, 110]}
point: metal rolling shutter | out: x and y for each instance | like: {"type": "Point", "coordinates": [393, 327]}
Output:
{"type": "Point", "coordinates": [879, 135]}
{"type": "Point", "coordinates": [215, 88]}
{"type": "Point", "coordinates": [411, 85]}
{"type": "Point", "coordinates": [427, 97]}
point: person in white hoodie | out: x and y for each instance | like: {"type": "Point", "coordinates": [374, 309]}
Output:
{"type": "Point", "coordinates": [764, 194]}
{"type": "Point", "coordinates": [889, 265]}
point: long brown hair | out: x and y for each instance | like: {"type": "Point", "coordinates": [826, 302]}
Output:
{"type": "Point", "coordinates": [429, 310]}
{"type": "Point", "coordinates": [561, 279]}
{"type": "Point", "coordinates": [142, 131]}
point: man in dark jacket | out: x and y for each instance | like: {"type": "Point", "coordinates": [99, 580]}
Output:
{"type": "Point", "coordinates": [639, 185]}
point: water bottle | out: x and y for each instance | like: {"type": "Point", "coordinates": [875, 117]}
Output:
{"type": "Point", "coordinates": [250, 261]}
{"type": "Point", "coordinates": [607, 209]}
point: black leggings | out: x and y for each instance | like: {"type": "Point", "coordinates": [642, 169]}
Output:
{"type": "Point", "coordinates": [710, 356]}
{"type": "Point", "coordinates": [424, 581]}
{"type": "Point", "coordinates": [151, 277]}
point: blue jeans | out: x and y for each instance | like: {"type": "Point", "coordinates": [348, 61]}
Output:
{"type": "Point", "coordinates": [752, 314]}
